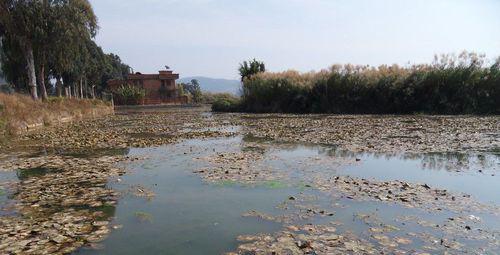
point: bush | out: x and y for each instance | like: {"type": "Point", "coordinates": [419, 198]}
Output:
{"type": "Point", "coordinates": [129, 95]}
{"type": "Point", "coordinates": [451, 85]}
{"type": "Point", "coordinates": [210, 98]}
{"type": "Point", "coordinates": [226, 103]}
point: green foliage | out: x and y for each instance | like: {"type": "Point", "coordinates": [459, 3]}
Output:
{"type": "Point", "coordinates": [451, 85]}
{"type": "Point", "coordinates": [193, 88]}
{"type": "Point", "coordinates": [225, 103]}
{"type": "Point", "coordinates": [60, 33]}
{"type": "Point", "coordinates": [180, 91]}
{"type": "Point", "coordinates": [249, 68]}
{"type": "Point", "coordinates": [129, 95]}
{"type": "Point", "coordinates": [210, 98]}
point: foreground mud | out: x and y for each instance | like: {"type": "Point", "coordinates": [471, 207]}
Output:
{"type": "Point", "coordinates": [60, 201]}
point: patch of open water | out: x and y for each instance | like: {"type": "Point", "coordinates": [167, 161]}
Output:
{"type": "Point", "coordinates": [186, 216]}
{"type": "Point", "coordinates": [477, 175]}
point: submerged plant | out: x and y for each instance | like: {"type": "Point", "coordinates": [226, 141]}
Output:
{"type": "Point", "coordinates": [143, 216]}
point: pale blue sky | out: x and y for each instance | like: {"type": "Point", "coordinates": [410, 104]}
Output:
{"type": "Point", "coordinates": [210, 37]}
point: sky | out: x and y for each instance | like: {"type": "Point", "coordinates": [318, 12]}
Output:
{"type": "Point", "coordinates": [211, 37]}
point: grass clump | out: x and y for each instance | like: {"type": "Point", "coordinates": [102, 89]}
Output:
{"type": "Point", "coordinates": [464, 84]}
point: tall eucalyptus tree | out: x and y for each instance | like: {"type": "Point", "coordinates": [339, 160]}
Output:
{"type": "Point", "coordinates": [48, 33]}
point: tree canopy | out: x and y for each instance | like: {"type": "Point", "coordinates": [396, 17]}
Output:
{"type": "Point", "coordinates": [249, 68]}
{"type": "Point", "coordinates": [43, 40]}
{"type": "Point", "coordinates": [194, 89]}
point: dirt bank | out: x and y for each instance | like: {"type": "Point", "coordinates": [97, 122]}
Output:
{"type": "Point", "coordinates": [19, 113]}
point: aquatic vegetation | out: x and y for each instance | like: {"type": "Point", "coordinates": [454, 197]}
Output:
{"type": "Point", "coordinates": [119, 132]}
{"type": "Point", "coordinates": [408, 194]}
{"type": "Point", "coordinates": [316, 240]}
{"type": "Point", "coordinates": [463, 84]}
{"type": "Point", "coordinates": [242, 167]}
{"type": "Point", "coordinates": [274, 184]}
{"type": "Point", "coordinates": [24, 174]}
{"type": "Point", "coordinates": [64, 189]}
{"type": "Point", "coordinates": [389, 134]}
{"type": "Point", "coordinates": [62, 204]}
{"type": "Point", "coordinates": [143, 216]}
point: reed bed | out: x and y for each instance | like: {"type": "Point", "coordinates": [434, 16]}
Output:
{"type": "Point", "coordinates": [464, 84]}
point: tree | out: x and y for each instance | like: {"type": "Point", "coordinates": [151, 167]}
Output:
{"type": "Point", "coordinates": [13, 65]}
{"type": "Point", "coordinates": [20, 23]}
{"type": "Point", "coordinates": [71, 39]}
{"type": "Point", "coordinates": [194, 89]}
{"type": "Point", "coordinates": [47, 33]}
{"type": "Point", "coordinates": [249, 68]}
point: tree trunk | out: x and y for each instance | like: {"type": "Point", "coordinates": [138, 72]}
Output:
{"type": "Point", "coordinates": [81, 87]}
{"type": "Point", "coordinates": [30, 67]}
{"type": "Point", "coordinates": [41, 79]}
{"type": "Point", "coordinates": [86, 88]}
{"type": "Point", "coordinates": [59, 86]}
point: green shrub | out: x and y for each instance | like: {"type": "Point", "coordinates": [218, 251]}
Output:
{"type": "Point", "coordinates": [129, 95]}
{"type": "Point", "coordinates": [226, 103]}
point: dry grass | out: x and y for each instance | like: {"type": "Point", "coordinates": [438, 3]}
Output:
{"type": "Point", "coordinates": [19, 112]}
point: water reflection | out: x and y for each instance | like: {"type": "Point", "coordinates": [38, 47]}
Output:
{"type": "Point", "coordinates": [453, 162]}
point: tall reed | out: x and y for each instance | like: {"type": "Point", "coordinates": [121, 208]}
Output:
{"type": "Point", "coordinates": [463, 84]}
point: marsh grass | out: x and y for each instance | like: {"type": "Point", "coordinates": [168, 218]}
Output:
{"type": "Point", "coordinates": [463, 84]}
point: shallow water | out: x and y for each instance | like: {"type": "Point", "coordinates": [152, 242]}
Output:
{"type": "Point", "coordinates": [187, 215]}
{"type": "Point", "coordinates": [476, 175]}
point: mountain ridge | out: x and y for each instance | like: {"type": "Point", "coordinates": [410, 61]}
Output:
{"type": "Point", "coordinates": [215, 85]}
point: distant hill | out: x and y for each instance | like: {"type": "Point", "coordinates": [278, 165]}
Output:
{"type": "Point", "coordinates": [215, 85]}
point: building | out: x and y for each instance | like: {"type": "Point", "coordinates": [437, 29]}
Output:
{"type": "Point", "coordinates": [160, 88]}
